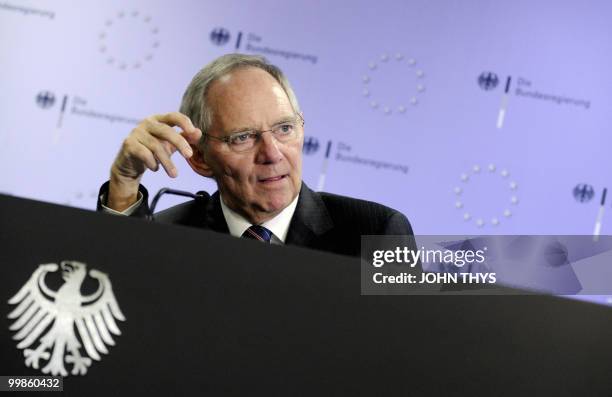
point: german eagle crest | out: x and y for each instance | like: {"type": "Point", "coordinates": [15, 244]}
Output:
{"type": "Point", "coordinates": [54, 318]}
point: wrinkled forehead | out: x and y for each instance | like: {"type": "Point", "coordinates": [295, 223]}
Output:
{"type": "Point", "coordinates": [247, 98]}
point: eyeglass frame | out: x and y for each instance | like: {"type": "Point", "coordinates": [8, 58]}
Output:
{"type": "Point", "coordinates": [226, 139]}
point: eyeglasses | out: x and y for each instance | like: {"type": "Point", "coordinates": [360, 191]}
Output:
{"type": "Point", "coordinates": [244, 141]}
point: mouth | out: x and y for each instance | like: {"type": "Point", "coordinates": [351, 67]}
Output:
{"type": "Point", "coordinates": [272, 179]}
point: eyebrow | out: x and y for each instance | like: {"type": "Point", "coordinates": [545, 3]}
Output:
{"type": "Point", "coordinates": [279, 121]}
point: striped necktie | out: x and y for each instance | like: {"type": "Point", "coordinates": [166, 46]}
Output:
{"type": "Point", "coordinates": [257, 232]}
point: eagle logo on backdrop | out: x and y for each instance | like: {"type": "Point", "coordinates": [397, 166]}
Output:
{"type": "Point", "coordinates": [54, 318]}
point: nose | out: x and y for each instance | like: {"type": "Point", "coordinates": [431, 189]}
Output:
{"type": "Point", "coordinates": [268, 151]}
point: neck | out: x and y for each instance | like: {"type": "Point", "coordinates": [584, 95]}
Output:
{"type": "Point", "coordinates": [253, 217]}
{"type": "Point", "coordinates": [257, 218]}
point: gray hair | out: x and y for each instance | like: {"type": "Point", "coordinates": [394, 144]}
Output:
{"type": "Point", "coordinates": [194, 103]}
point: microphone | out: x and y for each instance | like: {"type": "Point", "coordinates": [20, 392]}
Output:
{"type": "Point", "coordinates": [197, 196]}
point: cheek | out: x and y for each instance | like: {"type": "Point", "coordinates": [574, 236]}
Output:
{"type": "Point", "coordinates": [294, 155]}
{"type": "Point", "coordinates": [224, 165]}
{"type": "Point", "coordinates": [237, 172]}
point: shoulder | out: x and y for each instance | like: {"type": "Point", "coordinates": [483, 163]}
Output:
{"type": "Point", "coordinates": [344, 205]}
{"type": "Point", "coordinates": [366, 217]}
{"type": "Point", "coordinates": [189, 213]}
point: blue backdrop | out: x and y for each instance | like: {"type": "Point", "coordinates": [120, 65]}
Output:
{"type": "Point", "coordinates": [470, 117]}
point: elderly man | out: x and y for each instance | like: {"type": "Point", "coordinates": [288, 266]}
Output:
{"type": "Point", "coordinates": [242, 126]}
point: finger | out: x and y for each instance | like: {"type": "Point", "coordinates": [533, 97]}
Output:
{"type": "Point", "coordinates": [169, 148]}
{"type": "Point", "coordinates": [156, 147]}
{"type": "Point", "coordinates": [143, 154]}
{"type": "Point", "coordinates": [176, 119]}
{"type": "Point", "coordinates": [168, 134]}
{"type": "Point", "coordinates": [134, 156]}
{"type": "Point", "coordinates": [193, 139]}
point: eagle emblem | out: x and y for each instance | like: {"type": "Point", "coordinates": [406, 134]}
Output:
{"type": "Point", "coordinates": [53, 318]}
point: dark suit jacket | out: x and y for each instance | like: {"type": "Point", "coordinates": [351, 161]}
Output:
{"type": "Point", "coordinates": [322, 221]}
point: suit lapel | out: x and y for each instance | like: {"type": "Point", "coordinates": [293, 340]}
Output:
{"type": "Point", "coordinates": [214, 218]}
{"type": "Point", "coordinates": [310, 220]}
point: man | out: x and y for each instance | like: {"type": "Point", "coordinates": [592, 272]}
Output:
{"type": "Point", "coordinates": [242, 126]}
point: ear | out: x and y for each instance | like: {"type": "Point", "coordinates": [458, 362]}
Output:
{"type": "Point", "coordinates": [198, 164]}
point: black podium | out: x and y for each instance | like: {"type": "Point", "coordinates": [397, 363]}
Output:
{"type": "Point", "coordinates": [209, 314]}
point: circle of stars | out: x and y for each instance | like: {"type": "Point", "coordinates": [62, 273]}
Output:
{"type": "Point", "coordinates": [131, 18]}
{"type": "Point", "coordinates": [479, 221]}
{"type": "Point", "coordinates": [388, 109]}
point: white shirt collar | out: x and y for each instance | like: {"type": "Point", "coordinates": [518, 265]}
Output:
{"type": "Point", "coordinates": [279, 225]}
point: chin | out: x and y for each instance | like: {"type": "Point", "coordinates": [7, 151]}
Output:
{"type": "Point", "coordinates": [278, 201]}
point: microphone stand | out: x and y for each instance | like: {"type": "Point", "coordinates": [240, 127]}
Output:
{"type": "Point", "coordinates": [166, 190]}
